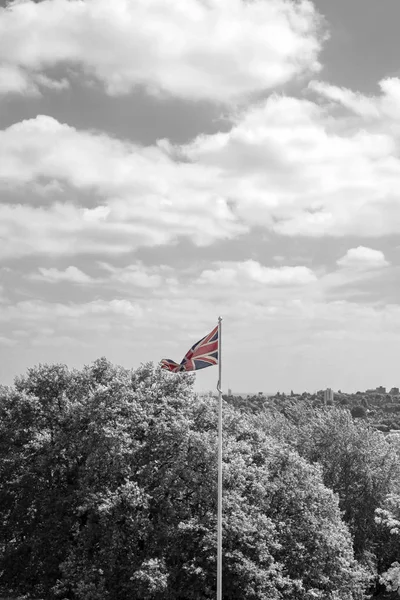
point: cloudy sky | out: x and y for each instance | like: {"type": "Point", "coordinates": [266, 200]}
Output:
{"type": "Point", "coordinates": [163, 163]}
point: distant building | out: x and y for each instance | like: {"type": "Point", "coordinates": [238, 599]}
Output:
{"type": "Point", "coordinates": [328, 395]}
{"type": "Point", "coordinates": [229, 392]}
{"type": "Point", "coordinates": [395, 391]}
{"type": "Point", "coordinates": [379, 390]}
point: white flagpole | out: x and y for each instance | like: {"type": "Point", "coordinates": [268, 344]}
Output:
{"type": "Point", "coordinates": [219, 523]}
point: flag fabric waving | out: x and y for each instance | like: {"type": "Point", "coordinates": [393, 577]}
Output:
{"type": "Point", "coordinates": [201, 355]}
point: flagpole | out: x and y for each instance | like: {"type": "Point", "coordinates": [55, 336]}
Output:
{"type": "Point", "coordinates": [219, 521]}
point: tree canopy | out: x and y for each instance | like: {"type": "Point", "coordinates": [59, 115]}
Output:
{"type": "Point", "coordinates": [108, 490]}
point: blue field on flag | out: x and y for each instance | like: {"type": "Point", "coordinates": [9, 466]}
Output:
{"type": "Point", "coordinates": [202, 354]}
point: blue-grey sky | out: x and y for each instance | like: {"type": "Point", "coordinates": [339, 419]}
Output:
{"type": "Point", "coordinates": [364, 42]}
{"type": "Point", "coordinates": [163, 163]}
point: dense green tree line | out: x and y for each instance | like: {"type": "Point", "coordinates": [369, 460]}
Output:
{"type": "Point", "coordinates": [108, 491]}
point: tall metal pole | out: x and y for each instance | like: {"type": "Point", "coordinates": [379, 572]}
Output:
{"type": "Point", "coordinates": [219, 524]}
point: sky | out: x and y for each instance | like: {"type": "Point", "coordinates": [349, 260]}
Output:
{"type": "Point", "coordinates": [165, 163]}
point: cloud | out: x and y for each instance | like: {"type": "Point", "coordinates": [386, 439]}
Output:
{"type": "Point", "coordinates": [64, 229]}
{"type": "Point", "coordinates": [363, 258]}
{"type": "Point", "coordinates": [286, 318]}
{"type": "Point", "coordinates": [14, 80]}
{"type": "Point", "coordinates": [250, 271]}
{"type": "Point", "coordinates": [301, 168]}
{"type": "Point", "coordinates": [135, 275]}
{"type": "Point", "coordinates": [36, 310]}
{"type": "Point", "coordinates": [138, 275]}
{"type": "Point", "coordinates": [137, 196]}
{"type": "Point", "coordinates": [287, 326]}
{"type": "Point", "coordinates": [217, 50]}
{"type": "Point", "coordinates": [387, 105]}
{"type": "Point", "coordinates": [52, 84]}
{"type": "Point", "coordinates": [71, 274]}
{"type": "Point", "coordinates": [161, 299]}
{"type": "Point", "coordinates": [288, 165]}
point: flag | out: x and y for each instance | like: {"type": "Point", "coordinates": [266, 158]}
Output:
{"type": "Point", "coordinates": [201, 355]}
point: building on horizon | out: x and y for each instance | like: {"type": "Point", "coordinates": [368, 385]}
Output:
{"type": "Point", "coordinates": [328, 395]}
{"type": "Point", "coordinates": [379, 390]}
{"type": "Point", "coordinates": [394, 391]}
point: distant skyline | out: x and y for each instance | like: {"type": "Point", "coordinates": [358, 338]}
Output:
{"type": "Point", "coordinates": [309, 391]}
{"type": "Point", "coordinates": [164, 163]}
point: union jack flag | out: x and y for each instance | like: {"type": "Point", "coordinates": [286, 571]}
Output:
{"type": "Point", "coordinates": [201, 355]}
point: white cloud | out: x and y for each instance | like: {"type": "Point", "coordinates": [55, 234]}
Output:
{"type": "Point", "coordinates": [50, 313]}
{"type": "Point", "coordinates": [52, 84]}
{"type": "Point", "coordinates": [363, 258]}
{"type": "Point", "coordinates": [288, 165]}
{"type": "Point", "coordinates": [71, 274]}
{"type": "Point", "coordinates": [141, 196]}
{"type": "Point", "coordinates": [373, 107]}
{"type": "Point", "coordinates": [302, 168]}
{"type": "Point", "coordinates": [135, 275]}
{"type": "Point", "coordinates": [65, 230]}
{"type": "Point", "coordinates": [250, 271]}
{"type": "Point", "coordinates": [288, 319]}
{"type": "Point", "coordinates": [217, 50]}
{"type": "Point", "coordinates": [14, 80]}
{"type": "Point", "coordinates": [138, 275]}
{"type": "Point", "coordinates": [62, 230]}
{"type": "Point", "coordinates": [294, 329]}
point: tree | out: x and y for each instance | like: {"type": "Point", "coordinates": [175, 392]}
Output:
{"type": "Point", "coordinates": [387, 536]}
{"type": "Point", "coordinates": [358, 412]}
{"type": "Point", "coordinates": [357, 463]}
{"type": "Point", "coordinates": [108, 491]}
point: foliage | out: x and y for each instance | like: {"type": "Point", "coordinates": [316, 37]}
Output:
{"type": "Point", "coordinates": [391, 578]}
{"type": "Point", "coordinates": [108, 491]}
{"type": "Point", "coordinates": [358, 411]}
{"type": "Point", "coordinates": [357, 462]}
{"type": "Point", "coordinates": [387, 520]}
